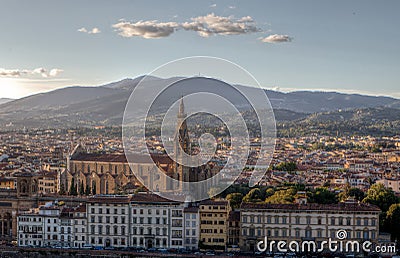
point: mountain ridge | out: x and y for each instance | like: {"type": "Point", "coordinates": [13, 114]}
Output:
{"type": "Point", "coordinates": [105, 104]}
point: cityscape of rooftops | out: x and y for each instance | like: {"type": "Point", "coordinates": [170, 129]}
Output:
{"type": "Point", "coordinates": [200, 128]}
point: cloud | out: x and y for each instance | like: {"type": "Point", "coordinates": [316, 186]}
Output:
{"type": "Point", "coordinates": [55, 71]}
{"type": "Point", "coordinates": [146, 29]}
{"type": "Point", "coordinates": [232, 7]}
{"type": "Point", "coordinates": [276, 38]}
{"type": "Point", "coordinates": [10, 72]}
{"type": "Point", "coordinates": [40, 71]}
{"type": "Point", "coordinates": [92, 31]}
{"type": "Point", "coordinates": [37, 71]}
{"type": "Point", "coordinates": [213, 5]}
{"type": "Point", "coordinates": [212, 24]}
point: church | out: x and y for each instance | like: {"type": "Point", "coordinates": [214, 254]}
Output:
{"type": "Point", "coordinates": [97, 173]}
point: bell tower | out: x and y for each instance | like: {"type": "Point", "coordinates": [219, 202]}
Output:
{"type": "Point", "coordinates": [181, 145]}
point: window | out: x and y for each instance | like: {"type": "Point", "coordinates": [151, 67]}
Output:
{"type": "Point", "coordinates": [308, 219]}
{"type": "Point", "coordinates": [348, 221]}
{"type": "Point", "coordinates": [333, 221]}
{"type": "Point", "coordinates": [366, 222]}
{"type": "Point", "coordinates": [319, 221]}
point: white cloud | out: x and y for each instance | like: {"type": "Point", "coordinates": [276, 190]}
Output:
{"type": "Point", "coordinates": [83, 29]}
{"type": "Point", "coordinates": [212, 24]}
{"type": "Point", "coordinates": [40, 71]}
{"type": "Point", "coordinates": [232, 7]}
{"type": "Point", "coordinates": [276, 38]}
{"type": "Point", "coordinates": [10, 72]}
{"type": "Point", "coordinates": [92, 31]}
{"type": "Point", "coordinates": [146, 29]}
{"type": "Point", "coordinates": [55, 71]}
{"type": "Point", "coordinates": [37, 71]}
{"type": "Point", "coordinates": [213, 5]}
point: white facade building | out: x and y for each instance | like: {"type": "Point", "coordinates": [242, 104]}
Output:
{"type": "Point", "coordinates": [108, 221]}
{"type": "Point", "coordinates": [192, 228]}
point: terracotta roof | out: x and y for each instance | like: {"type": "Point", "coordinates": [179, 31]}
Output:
{"type": "Point", "coordinates": [109, 199]}
{"type": "Point", "coordinates": [120, 158]}
{"type": "Point", "coordinates": [149, 198]}
{"type": "Point", "coordinates": [312, 206]}
{"type": "Point", "coordinates": [214, 202]}
{"type": "Point", "coordinates": [191, 209]}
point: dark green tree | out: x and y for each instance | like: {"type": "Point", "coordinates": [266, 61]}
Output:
{"type": "Point", "coordinates": [235, 199]}
{"type": "Point", "coordinates": [94, 189]}
{"type": "Point", "coordinates": [392, 222]}
{"type": "Point", "coordinates": [88, 191]}
{"type": "Point", "coordinates": [323, 196]}
{"type": "Point", "coordinates": [81, 188]}
{"type": "Point", "coordinates": [381, 196]}
{"type": "Point", "coordinates": [72, 189]}
{"type": "Point", "coordinates": [282, 196]}
{"type": "Point", "coordinates": [253, 196]}
{"type": "Point", "coordinates": [348, 191]}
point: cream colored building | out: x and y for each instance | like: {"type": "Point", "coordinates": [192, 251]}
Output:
{"type": "Point", "coordinates": [390, 183]}
{"type": "Point", "coordinates": [307, 222]}
{"type": "Point", "coordinates": [214, 216]}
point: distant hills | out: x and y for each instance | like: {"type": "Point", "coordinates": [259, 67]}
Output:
{"type": "Point", "coordinates": [4, 100]}
{"type": "Point", "coordinates": [105, 104]}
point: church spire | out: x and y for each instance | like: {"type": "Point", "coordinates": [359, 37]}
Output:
{"type": "Point", "coordinates": [181, 112]}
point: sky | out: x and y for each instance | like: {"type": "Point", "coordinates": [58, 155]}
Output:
{"type": "Point", "coordinates": [346, 46]}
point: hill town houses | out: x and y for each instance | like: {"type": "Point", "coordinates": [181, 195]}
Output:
{"type": "Point", "coordinates": [148, 221]}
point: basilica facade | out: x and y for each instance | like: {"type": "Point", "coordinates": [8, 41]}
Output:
{"type": "Point", "coordinates": [100, 173]}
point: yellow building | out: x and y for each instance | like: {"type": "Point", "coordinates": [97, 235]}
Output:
{"type": "Point", "coordinates": [7, 183]}
{"type": "Point", "coordinates": [213, 224]}
{"type": "Point", "coordinates": [48, 183]}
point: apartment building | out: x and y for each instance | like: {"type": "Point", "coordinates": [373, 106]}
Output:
{"type": "Point", "coordinates": [108, 220]}
{"type": "Point", "coordinates": [79, 226]}
{"type": "Point", "coordinates": [156, 222]}
{"type": "Point", "coordinates": [192, 225]}
{"type": "Point", "coordinates": [39, 227]}
{"type": "Point", "coordinates": [213, 224]}
{"type": "Point", "coordinates": [307, 221]}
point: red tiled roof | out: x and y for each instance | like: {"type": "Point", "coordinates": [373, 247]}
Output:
{"type": "Point", "coordinates": [109, 199]}
{"type": "Point", "coordinates": [312, 206]}
{"type": "Point", "coordinates": [120, 158]}
{"type": "Point", "coordinates": [149, 198]}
